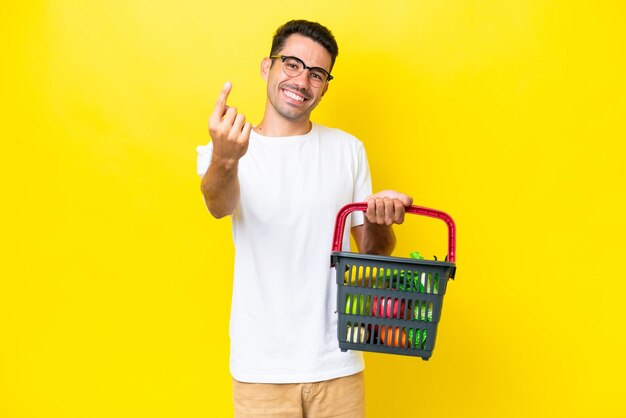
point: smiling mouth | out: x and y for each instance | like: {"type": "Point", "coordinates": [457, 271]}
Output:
{"type": "Point", "coordinates": [294, 96]}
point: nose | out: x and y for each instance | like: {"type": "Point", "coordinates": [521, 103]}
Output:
{"type": "Point", "coordinates": [302, 80]}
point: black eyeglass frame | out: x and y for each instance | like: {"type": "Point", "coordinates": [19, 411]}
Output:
{"type": "Point", "coordinates": [283, 58]}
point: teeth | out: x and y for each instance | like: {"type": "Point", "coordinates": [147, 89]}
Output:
{"type": "Point", "coordinates": [293, 95]}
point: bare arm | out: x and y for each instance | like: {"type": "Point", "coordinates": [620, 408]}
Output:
{"type": "Point", "coordinates": [220, 187]}
{"type": "Point", "coordinates": [230, 134]}
{"type": "Point", "coordinates": [384, 209]}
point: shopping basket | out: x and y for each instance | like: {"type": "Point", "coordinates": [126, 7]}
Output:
{"type": "Point", "coordinates": [390, 304]}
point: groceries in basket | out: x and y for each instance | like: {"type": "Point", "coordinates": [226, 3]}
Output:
{"type": "Point", "coordinates": [413, 338]}
{"type": "Point", "coordinates": [388, 307]}
{"type": "Point", "coordinates": [409, 281]}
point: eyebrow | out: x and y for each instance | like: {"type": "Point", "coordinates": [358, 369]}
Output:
{"type": "Point", "coordinates": [306, 66]}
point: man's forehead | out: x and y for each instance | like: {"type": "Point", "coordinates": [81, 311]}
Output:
{"type": "Point", "coordinates": [306, 48]}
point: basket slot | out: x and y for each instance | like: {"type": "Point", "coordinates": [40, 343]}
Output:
{"type": "Point", "coordinates": [351, 275]}
{"type": "Point", "coordinates": [358, 275]}
{"type": "Point", "coordinates": [395, 337]}
{"type": "Point", "coordinates": [388, 307]}
{"type": "Point", "coordinates": [372, 334]}
{"type": "Point", "coordinates": [407, 280]}
{"type": "Point", "coordinates": [356, 333]}
{"type": "Point", "coordinates": [417, 338]}
{"type": "Point", "coordinates": [417, 281]}
{"type": "Point", "coordinates": [359, 333]}
{"type": "Point", "coordinates": [402, 310]}
{"type": "Point", "coordinates": [422, 310]}
{"type": "Point", "coordinates": [358, 304]}
{"type": "Point", "coordinates": [377, 277]}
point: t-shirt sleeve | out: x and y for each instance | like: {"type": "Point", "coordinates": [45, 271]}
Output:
{"type": "Point", "coordinates": [362, 184]}
{"type": "Point", "coordinates": [205, 152]}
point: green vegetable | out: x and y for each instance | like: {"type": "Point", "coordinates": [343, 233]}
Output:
{"type": "Point", "coordinates": [351, 304]}
{"type": "Point", "coordinates": [417, 338]}
{"type": "Point", "coordinates": [416, 255]}
{"type": "Point", "coordinates": [421, 313]}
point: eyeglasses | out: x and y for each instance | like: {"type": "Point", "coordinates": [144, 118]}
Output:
{"type": "Point", "coordinates": [294, 66]}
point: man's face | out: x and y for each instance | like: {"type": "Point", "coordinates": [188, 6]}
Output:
{"type": "Point", "coordinates": [294, 98]}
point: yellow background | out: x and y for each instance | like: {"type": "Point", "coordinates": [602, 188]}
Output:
{"type": "Point", "coordinates": [509, 115]}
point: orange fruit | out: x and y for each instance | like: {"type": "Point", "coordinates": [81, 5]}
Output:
{"type": "Point", "coordinates": [392, 337]}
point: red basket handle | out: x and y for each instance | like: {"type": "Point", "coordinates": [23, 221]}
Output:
{"type": "Point", "coordinates": [416, 210]}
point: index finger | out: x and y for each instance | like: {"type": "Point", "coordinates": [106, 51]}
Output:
{"type": "Point", "coordinates": [220, 104]}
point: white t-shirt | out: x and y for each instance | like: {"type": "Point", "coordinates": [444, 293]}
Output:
{"type": "Point", "coordinates": [283, 324]}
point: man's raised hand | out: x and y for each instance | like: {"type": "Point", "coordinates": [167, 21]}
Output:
{"type": "Point", "coordinates": [228, 129]}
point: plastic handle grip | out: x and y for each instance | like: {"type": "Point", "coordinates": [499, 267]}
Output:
{"type": "Point", "coordinates": [416, 210]}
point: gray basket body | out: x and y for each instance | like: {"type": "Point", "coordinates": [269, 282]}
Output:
{"type": "Point", "coordinates": [389, 304]}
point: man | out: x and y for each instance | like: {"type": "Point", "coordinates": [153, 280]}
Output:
{"type": "Point", "coordinates": [283, 182]}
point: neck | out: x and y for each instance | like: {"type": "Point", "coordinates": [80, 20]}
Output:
{"type": "Point", "coordinates": [277, 125]}
{"type": "Point", "coordinates": [267, 129]}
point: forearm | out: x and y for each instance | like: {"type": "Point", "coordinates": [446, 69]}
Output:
{"type": "Point", "coordinates": [220, 187]}
{"type": "Point", "coordinates": [377, 239]}
{"type": "Point", "coordinates": [230, 135]}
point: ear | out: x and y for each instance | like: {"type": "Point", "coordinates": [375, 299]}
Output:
{"type": "Point", "coordinates": [265, 68]}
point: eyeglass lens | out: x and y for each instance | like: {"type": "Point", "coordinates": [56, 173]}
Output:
{"type": "Point", "coordinates": [294, 67]}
